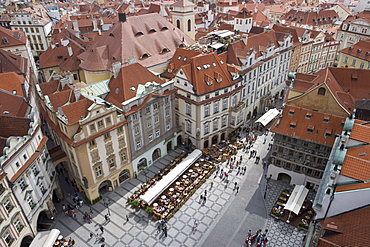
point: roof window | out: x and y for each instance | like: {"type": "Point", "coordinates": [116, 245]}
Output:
{"type": "Point", "coordinates": [308, 115]}
{"type": "Point", "coordinates": [310, 128]}
{"type": "Point", "coordinates": [181, 46]}
{"type": "Point", "coordinates": [359, 50]}
{"type": "Point", "coordinates": [185, 58]}
{"type": "Point", "coordinates": [179, 58]}
{"type": "Point", "coordinates": [291, 112]}
{"type": "Point", "coordinates": [199, 68]}
{"type": "Point", "coordinates": [292, 124]}
{"type": "Point", "coordinates": [222, 62]}
{"type": "Point", "coordinates": [139, 34]}
{"type": "Point", "coordinates": [214, 64]}
{"type": "Point", "coordinates": [164, 28]}
{"type": "Point", "coordinates": [164, 50]}
{"type": "Point", "coordinates": [145, 55]}
{"type": "Point", "coordinates": [152, 31]}
{"type": "Point", "coordinates": [5, 41]}
{"type": "Point", "coordinates": [326, 119]}
{"type": "Point", "coordinates": [111, 35]}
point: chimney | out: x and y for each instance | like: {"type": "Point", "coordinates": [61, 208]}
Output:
{"type": "Point", "coordinates": [230, 2]}
{"type": "Point", "coordinates": [52, 45]}
{"type": "Point", "coordinates": [122, 17]}
{"type": "Point", "coordinates": [70, 52]}
{"type": "Point", "coordinates": [95, 25]}
{"type": "Point", "coordinates": [77, 94]}
{"type": "Point", "coordinates": [75, 25]}
{"type": "Point", "coordinates": [40, 10]}
{"type": "Point", "coordinates": [245, 39]}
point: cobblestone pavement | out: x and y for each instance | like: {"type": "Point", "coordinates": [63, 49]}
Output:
{"type": "Point", "coordinates": [223, 220]}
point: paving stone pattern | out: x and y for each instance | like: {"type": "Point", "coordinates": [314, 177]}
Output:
{"type": "Point", "coordinates": [141, 230]}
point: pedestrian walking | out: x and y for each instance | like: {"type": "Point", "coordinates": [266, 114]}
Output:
{"type": "Point", "coordinates": [204, 200]}
{"type": "Point", "coordinates": [91, 210]}
{"type": "Point", "coordinates": [159, 227]}
{"type": "Point", "coordinates": [238, 170]}
{"type": "Point", "coordinates": [211, 185]}
{"type": "Point", "coordinates": [165, 230]}
{"type": "Point", "coordinates": [102, 229]}
{"type": "Point", "coordinates": [107, 219]}
{"type": "Point", "coordinates": [264, 140]}
{"type": "Point", "coordinates": [127, 218]}
{"type": "Point", "coordinates": [195, 226]}
{"type": "Point", "coordinates": [235, 184]}
{"type": "Point", "coordinates": [91, 235]}
{"type": "Point", "coordinates": [64, 208]}
{"type": "Point", "coordinates": [201, 198]}
{"type": "Point", "coordinates": [75, 216]}
{"type": "Point", "coordinates": [205, 193]}
{"type": "Point", "coordinates": [237, 190]}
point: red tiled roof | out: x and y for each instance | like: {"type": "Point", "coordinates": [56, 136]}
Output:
{"type": "Point", "coordinates": [360, 50]}
{"type": "Point", "coordinates": [359, 186]}
{"type": "Point", "coordinates": [179, 59]}
{"type": "Point", "coordinates": [282, 125]}
{"type": "Point", "coordinates": [12, 83]}
{"type": "Point", "coordinates": [182, 3]}
{"type": "Point", "coordinates": [361, 133]}
{"type": "Point", "coordinates": [204, 66]}
{"type": "Point", "coordinates": [130, 39]}
{"type": "Point", "coordinates": [311, 18]}
{"type": "Point", "coordinates": [12, 105]}
{"type": "Point", "coordinates": [14, 126]}
{"type": "Point", "coordinates": [352, 229]}
{"type": "Point", "coordinates": [13, 63]}
{"type": "Point", "coordinates": [129, 77]}
{"type": "Point", "coordinates": [14, 37]}
{"type": "Point", "coordinates": [76, 110]}
{"type": "Point", "coordinates": [357, 161]}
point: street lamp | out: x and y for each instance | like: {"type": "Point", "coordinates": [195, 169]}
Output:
{"type": "Point", "coordinates": [107, 204]}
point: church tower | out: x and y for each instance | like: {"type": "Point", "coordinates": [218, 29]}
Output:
{"type": "Point", "coordinates": [183, 17]}
{"type": "Point", "coordinates": [243, 21]}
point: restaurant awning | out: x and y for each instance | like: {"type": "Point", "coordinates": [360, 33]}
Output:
{"type": "Point", "coordinates": [268, 116]}
{"type": "Point", "coordinates": [296, 199]}
{"type": "Point", "coordinates": [45, 239]}
{"type": "Point", "coordinates": [168, 179]}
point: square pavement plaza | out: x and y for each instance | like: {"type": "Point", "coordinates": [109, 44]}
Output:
{"type": "Point", "coordinates": [141, 230]}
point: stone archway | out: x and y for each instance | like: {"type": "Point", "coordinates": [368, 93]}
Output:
{"type": "Point", "coordinates": [156, 154]}
{"type": "Point", "coordinates": [26, 241]}
{"type": "Point", "coordinates": [123, 176]}
{"type": "Point", "coordinates": [169, 146]}
{"type": "Point", "coordinates": [142, 164]}
{"type": "Point", "coordinates": [44, 221]}
{"type": "Point", "coordinates": [215, 139]}
{"type": "Point", "coordinates": [206, 144]}
{"type": "Point", "coordinates": [249, 116]}
{"type": "Point", "coordinates": [179, 140]}
{"type": "Point", "coordinates": [105, 186]}
{"type": "Point", "coordinates": [223, 135]}
{"type": "Point", "coordinates": [284, 177]}
{"type": "Point", "coordinates": [255, 112]}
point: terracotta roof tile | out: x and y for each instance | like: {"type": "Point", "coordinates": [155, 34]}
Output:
{"type": "Point", "coordinates": [12, 83]}
{"type": "Point", "coordinates": [356, 168]}
{"type": "Point", "coordinates": [360, 50]}
{"type": "Point", "coordinates": [310, 18]}
{"type": "Point", "coordinates": [13, 63]}
{"type": "Point", "coordinates": [129, 77]}
{"type": "Point", "coordinates": [359, 186]}
{"type": "Point", "coordinates": [76, 110]}
{"type": "Point", "coordinates": [12, 105]}
{"type": "Point", "coordinates": [353, 229]}
{"type": "Point", "coordinates": [122, 42]}
{"type": "Point", "coordinates": [14, 37]}
{"type": "Point", "coordinates": [282, 125]}
{"type": "Point", "coordinates": [14, 126]}
{"type": "Point", "coordinates": [180, 58]}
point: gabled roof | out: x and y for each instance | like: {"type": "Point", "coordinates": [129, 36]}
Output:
{"type": "Point", "coordinates": [310, 18]}
{"type": "Point", "coordinates": [180, 58]}
{"type": "Point", "coordinates": [347, 229]}
{"type": "Point", "coordinates": [360, 50]}
{"type": "Point", "coordinates": [12, 105]}
{"type": "Point", "coordinates": [294, 123]}
{"type": "Point", "coordinates": [12, 63]}
{"type": "Point", "coordinates": [11, 37]}
{"type": "Point", "coordinates": [12, 83]}
{"type": "Point", "coordinates": [130, 39]}
{"type": "Point", "coordinates": [125, 85]}
{"type": "Point", "coordinates": [14, 126]}
{"type": "Point", "coordinates": [347, 85]}
{"type": "Point", "coordinates": [243, 14]}
{"type": "Point", "coordinates": [362, 16]}
{"type": "Point", "coordinates": [207, 73]}
{"type": "Point", "coordinates": [38, 12]}
{"type": "Point", "coordinates": [74, 111]}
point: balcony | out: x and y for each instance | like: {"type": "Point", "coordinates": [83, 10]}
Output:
{"type": "Point", "coordinates": [238, 107]}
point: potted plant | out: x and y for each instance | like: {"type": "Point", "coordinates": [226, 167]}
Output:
{"type": "Point", "coordinates": [135, 203]}
{"type": "Point", "coordinates": [149, 210]}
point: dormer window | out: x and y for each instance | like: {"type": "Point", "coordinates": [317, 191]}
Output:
{"type": "Point", "coordinates": [310, 128]}
{"type": "Point", "coordinates": [291, 112]}
{"type": "Point", "coordinates": [179, 58]}
{"type": "Point", "coordinates": [169, 70]}
{"type": "Point", "coordinates": [292, 125]}
{"type": "Point", "coordinates": [5, 41]}
{"type": "Point", "coordinates": [111, 35]}
{"type": "Point", "coordinates": [139, 34]}
{"type": "Point", "coordinates": [219, 80]}
{"type": "Point", "coordinates": [308, 115]}
{"type": "Point", "coordinates": [145, 55]}
{"type": "Point", "coordinates": [164, 50]}
{"type": "Point", "coordinates": [164, 28]}
{"type": "Point", "coordinates": [199, 68]}
{"type": "Point", "coordinates": [152, 31]}
{"type": "Point", "coordinates": [181, 46]}
{"type": "Point", "coordinates": [326, 119]}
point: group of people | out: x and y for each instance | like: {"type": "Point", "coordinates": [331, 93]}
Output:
{"type": "Point", "coordinates": [203, 197]}
{"type": "Point", "coordinates": [162, 225]}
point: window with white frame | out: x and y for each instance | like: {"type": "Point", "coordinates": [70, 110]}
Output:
{"type": "Point", "coordinates": [123, 156]}
{"type": "Point", "coordinates": [22, 184]}
{"type": "Point", "coordinates": [235, 100]}
{"type": "Point", "coordinates": [100, 124]}
{"type": "Point", "coordinates": [232, 121]}
{"type": "Point", "coordinates": [167, 113]}
{"type": "Point", "coordinates": [206, 110]}
{"type": "Point", "coordinates": [168, 127]}
{"type": "Point", "coordinates": [29, 200]}
{"type": "Point", "coordinates": [156, 118]}
{"type": "Point", "coordinates": [8, 205]}
{"type": "Point", "coordinates": [107, 135]}
{"type": "Point", "coordinates": [18, 224]}
{"type": "Point", "coordinates": [215, 124]}
{"type": "Point", "coordinates": [166, 100]}
{"type": "Point", "coordinates": [41, 186]}
{"type": "Point", "coordinates": [120, 129]}
{"type": "Point", "coordinates": [223, 121]}
{"type": "Point", "coordinates": [107, 120]}
{"type": "Point", "coordinates": [155, 106]}
{"type": "Point", "coordinates": [215, 106]}
{"type": "Point", "coordinates": [149, 122]}
{"type": "Point", "coordinates": [98, 171]}
{"type": "Point", "coordinates": [109, 148]}
{"type": "Point", "coordinates": [92, 127]}
{"type": "Point", "coordinates": [137, 130]}
{"type": "Point", "coordinates": [188, 126]}
{"type": "Point", "coordinates": [138, 144]}
{"type": "Point", "coordinates": [8, 238]}
{"type": "Point", "coordinates": [206, 128]}
{"type": "Point", "coordinates": [176, 103]}
{"type": "Point", "coordinates": [121, 142]}
{"type": "Point", "coordinates": [188, 108]}
{"type": "Point", "coordinates": [147, 110]}
{"type": "Point", "coordinates": [111, 163]}
{"type": "Point", "coordinates": [134, 116]}
{"type": "Point", "coordinates": [35, 171]}
{"type": "Point", "coordinates": [224, 104]}
{"type": "Point", "coordinates": [157, 133]}
{"type": "Point", "coordinates": [353, 62]}
{"type": "Point", "coordinates": [150, 137]}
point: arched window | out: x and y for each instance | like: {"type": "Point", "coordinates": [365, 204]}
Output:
{"type": "Point", "coordinates": [189, 25]}
{"type": "Point", "coordinates": [178, 23]}
{"type": "Point", "coordinates": [321, 91]}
